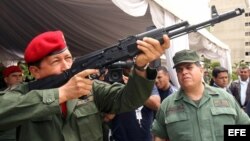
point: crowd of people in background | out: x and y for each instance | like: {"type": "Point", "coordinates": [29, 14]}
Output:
{"type": "Point", "coordinates": [166, 112]}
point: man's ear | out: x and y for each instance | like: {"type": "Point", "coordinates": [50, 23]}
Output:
{"type": "Point", "coordinates": [34, 70]}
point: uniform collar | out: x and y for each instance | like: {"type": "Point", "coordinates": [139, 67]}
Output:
{"type": "Point", "coordinates": [208, 92]}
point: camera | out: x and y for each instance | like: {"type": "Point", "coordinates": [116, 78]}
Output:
{"type": "Point", "coordinates": [116, 71]}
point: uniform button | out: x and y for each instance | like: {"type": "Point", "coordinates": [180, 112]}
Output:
{"type": "Point", "coordinates": [49, 100]}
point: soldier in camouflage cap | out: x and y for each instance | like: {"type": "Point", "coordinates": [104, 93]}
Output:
{"type": "Point", "coordinates": [196, 107]}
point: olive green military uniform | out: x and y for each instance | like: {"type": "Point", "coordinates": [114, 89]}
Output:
{"type": "Point", "coordinates": [40, 115]}
{"type": "Point", "coordinates": [180, 119]}
{"type": "Point", "coordinates": [8, 135]}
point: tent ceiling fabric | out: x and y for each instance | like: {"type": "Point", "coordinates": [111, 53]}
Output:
{"type": "Point", "coordinates": [88, 25]}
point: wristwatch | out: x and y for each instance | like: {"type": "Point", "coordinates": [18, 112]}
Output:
{"type": "Point", "coordinates": [143, 68]}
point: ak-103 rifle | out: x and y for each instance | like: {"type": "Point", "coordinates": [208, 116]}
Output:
{"type": "Point", "coordinates": [126, 48]}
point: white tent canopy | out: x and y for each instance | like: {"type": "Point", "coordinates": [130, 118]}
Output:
{"type": "Point", "coordinates": [90, 25]}
{"type": "Point", "coordinates": [169, 12]}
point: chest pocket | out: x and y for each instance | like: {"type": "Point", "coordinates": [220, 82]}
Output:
{"type": "Point", "coordinates": [177, 124]}
{"type": "Point", "coordinates": [88, 121]}
{"type": "Point", "coordinates": [41, 124]}
{"type": "Point", "coordinates": [222, 116]}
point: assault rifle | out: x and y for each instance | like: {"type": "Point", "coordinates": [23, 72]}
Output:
{"type": "Point", "coordinates": [126, 48]}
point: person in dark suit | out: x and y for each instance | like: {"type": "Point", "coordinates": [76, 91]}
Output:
{"type": "Point", "coordinates": [248, 109]}
{"type": "Point", "coordinates": [220, 78]}
{"type": "Point", "coordinates": [241, 88]}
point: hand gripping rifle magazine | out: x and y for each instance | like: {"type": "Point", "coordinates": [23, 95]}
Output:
{"type": "Point", "coordinates": [126, 48]}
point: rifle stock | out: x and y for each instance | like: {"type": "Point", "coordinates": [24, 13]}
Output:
{"type": "Point", "coordinates": [125, 48]}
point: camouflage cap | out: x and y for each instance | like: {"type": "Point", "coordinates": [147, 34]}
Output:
{"type": "Point", "coordinates": [185, 56]}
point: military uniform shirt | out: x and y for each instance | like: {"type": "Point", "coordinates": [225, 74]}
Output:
{"type": "Point", "coordinates": [180, 119]}
{"type": "Point", "coordinates": [39, 114]}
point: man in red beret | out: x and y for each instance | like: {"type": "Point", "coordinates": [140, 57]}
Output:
{"type": "Point", "coordinates": [12, 76]}
{"type": "Point", "coordinates": [59, 114]}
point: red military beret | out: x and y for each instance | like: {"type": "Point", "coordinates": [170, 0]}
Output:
{"type": "Point", "coordinates": [47, 43]}
{"type": "Point", "coordinates": [11, 69]}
